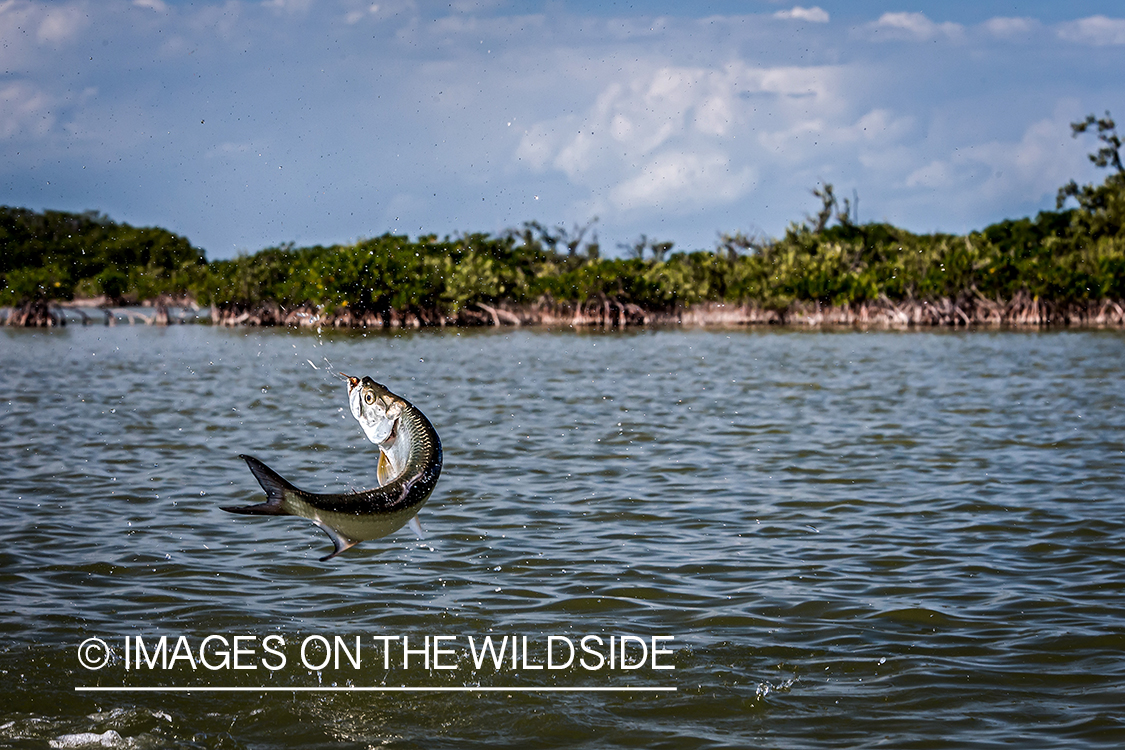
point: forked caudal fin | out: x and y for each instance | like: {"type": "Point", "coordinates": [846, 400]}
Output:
{"type": "Point", "coordinates": [275, 486]}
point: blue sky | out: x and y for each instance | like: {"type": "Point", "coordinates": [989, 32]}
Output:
{"type": "Point", "coordinates": [243, 124]}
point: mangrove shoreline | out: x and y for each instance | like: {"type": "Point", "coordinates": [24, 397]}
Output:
{"type": "Point", "coordinates": [972, 311]}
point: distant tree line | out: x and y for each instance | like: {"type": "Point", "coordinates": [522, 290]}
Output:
{"type": "Point", "coordinates": [1074, 254]}
{"type": "Point", "coordinates": [58, 255]}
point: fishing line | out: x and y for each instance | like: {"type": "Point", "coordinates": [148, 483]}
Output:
{"type": "Point", "coordinates": [329, 372]}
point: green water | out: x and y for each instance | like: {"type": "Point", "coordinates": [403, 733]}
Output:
{"type": "Point", "coordinates": [837, 539]}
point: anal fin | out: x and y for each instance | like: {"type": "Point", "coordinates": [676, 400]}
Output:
{"type": "Point", "coordinates": [339, 541]}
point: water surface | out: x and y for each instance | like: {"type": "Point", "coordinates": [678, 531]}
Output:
{"type": "Point", "coordinates": [856, 539]}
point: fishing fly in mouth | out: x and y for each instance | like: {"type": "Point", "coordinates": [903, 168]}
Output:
{"type": "Point", "coordinates": [407, 472]}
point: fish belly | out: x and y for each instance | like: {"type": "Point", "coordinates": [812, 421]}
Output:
{"type": "Point", "coordinates": [355, 526]}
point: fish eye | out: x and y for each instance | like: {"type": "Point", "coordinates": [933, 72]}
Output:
{"type": "Point", "coordinates": [369, 398]}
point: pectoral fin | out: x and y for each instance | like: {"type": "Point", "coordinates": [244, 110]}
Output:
{"type": "Point", "coordinates": [384, 472]}
{"type": "Point", "coordinates": [416, 526]}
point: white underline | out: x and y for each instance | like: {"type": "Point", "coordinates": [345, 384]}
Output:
{"type": "Point", "coordinates": [358, 689]}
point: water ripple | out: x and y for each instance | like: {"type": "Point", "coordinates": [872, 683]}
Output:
{"type": "Point", "coordinates": [856, 538]}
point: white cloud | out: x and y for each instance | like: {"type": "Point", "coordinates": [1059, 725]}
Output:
{"type": "Point", "coordinates": [288, 6]}
{"type": "Point", "coordinates": [878, 125]}
{"type": "Point", "coordinates": [1006, 28]}
{"type": "Point", "coordinates": [885, 162]}
{"type": "Point", "coordinates": [936, 174]}
{"type": "Point", "coordinates": [49, 24]}
{"type": "Point", "coordinates": [1029, 169]}
{"type": "Point", "coordinates": [14, 18]}
{"type": "Point", "coordinates": [632, 118]}
{"type": "Point", "coordinates": [714, 116]}
{"type": "Point", "coordinates": [791, 83]}
{"type": "Point", "coordinates": [537, 146]}
{"type": "Point", "coordinates": [1096, 30]}
{"type": "Point", "coordinates": [807, 139]}
{"type": "Point", "coordinates": [223, 21]}
{"type": "Point", "coordinates": [815, 14]}
{"type": "Point", "coordinates": [24, 111]}
{"type": "Point", "coordinates": [664, 136]}
{"type": "Point", "coordinates": [631, 28]}
{"type": "Point", "coordinates": [913, 26]}
{"type": "Point", "coordinates": [60, 23]}
{"type": "Point", "coordinates": [355, 16]}
{"type": "Point", "coordinates": [672, 179]}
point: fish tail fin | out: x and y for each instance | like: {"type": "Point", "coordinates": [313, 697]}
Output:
{"type": "Point", "coordinates": [275, 486]}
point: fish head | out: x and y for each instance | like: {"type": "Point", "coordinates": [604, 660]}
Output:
{"type": "Point", "coordinates": [375, 408]}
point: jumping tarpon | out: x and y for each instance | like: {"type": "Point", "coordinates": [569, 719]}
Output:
{"type": "Point", "coordinates": [408, 469]}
